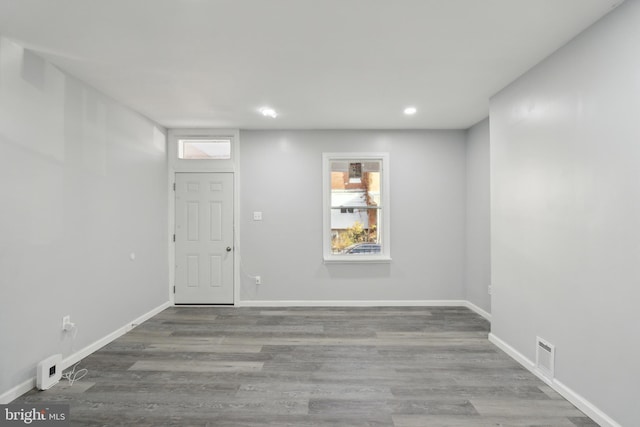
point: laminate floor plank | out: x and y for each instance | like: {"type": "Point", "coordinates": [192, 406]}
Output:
{"type": "Point", "coordinates": [195, 366]}
{"type": "Point", "coordinates": [402, 420]}
{"type": "Point", "coordinates": [525, 408]}
{"type": "Point", "coordinates": [309, 367]}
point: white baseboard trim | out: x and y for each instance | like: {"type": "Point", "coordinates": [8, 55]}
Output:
{"type": "Point", "coordinates": [584, 405]}
{"type": "Point", "coordinates": [91, 348]}
{"type": "Point", "coordinates": [24, 387]}
{"type": "Point", "coordinates": [516, 355]}
{"type": "Point", "coordinates": [471, 306]}
{"type": "Point", "coordinates": [17, 391]}
{"type": "Point", "coordinates": [576, 399]}
{"type": "Point", "coordinates": [352, 303]}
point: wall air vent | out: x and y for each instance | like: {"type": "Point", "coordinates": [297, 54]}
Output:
{"type": "Point", "coordinates": [545, 358]}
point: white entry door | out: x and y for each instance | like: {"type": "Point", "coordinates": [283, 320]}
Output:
{"type": "Point", "coordinates": [204, 238]}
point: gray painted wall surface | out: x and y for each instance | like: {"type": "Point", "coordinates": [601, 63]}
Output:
{"type": "Point", "coordinates": [281, 176]}
{"type": "Point", "coordinates": [478, 248]}
{"type": "Point", "coordinates": [565, 212]}
{"type": "Point", "coordinates": [84, 186]}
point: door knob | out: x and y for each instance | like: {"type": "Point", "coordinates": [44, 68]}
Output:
{"type": "Point", "coordinates": [228, 248]}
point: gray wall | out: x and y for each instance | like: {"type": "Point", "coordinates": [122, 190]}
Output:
{"type": "Point", "coordinates": [565, 212]}
{"type": "Point", "coordinates": [478, 248]}
{"type": "Point", "coordinates": [281, 176]}
{"type": "Point", "coordinates": [83, 186]}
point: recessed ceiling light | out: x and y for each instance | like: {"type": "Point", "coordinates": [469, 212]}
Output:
{"type": "Point", "coordinates": [268, 112]}
{"type": "Point", "coordinates": [410, 111]}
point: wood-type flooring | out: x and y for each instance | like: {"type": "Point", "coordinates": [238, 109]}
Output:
{"type": "Point", "coordinates": [373, 366]}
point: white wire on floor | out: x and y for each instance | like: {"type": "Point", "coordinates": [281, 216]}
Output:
{"type": "Point", "coordinates": [73, 375]}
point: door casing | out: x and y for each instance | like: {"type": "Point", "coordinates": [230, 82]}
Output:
{"type": "Point", "coordinates": [176, 165]}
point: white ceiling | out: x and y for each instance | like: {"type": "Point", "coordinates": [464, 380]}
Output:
{"type": "Point", "coordinates": [322, 64]}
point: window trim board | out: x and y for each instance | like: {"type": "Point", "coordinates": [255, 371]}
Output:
{"type": "Point", "coordinates": [385, 255]}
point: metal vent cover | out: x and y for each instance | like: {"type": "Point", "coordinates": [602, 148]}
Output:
{"type": "Point", "coordinates": [545, 357]}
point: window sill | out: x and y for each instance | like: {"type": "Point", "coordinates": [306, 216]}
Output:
{"type": "Point", "coordinates": [356, 259]}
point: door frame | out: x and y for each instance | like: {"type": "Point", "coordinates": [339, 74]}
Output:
{"type": "Point", "coordinates": [176, 165]}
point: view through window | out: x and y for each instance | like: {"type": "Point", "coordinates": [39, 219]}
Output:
{"type": "Point", "coordinates": [355, 206]}
{"type": "Point", "coordinates": [204, 149]}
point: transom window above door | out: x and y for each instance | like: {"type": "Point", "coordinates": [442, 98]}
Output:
{"type": "Point", "coordinates": [204, 149]}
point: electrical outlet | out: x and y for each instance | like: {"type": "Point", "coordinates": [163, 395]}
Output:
{"type": "Point", "coordinates": [258, 280]}
{"type": "Point", "coordinates": [490, 289]}
{"type": "Point", "coordinates": [65, 321]}
{"type": "Point", "coordinates": [67, 324]}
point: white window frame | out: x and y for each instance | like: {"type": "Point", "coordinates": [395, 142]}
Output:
{"type": "Point", "coordinates": [384, 225]}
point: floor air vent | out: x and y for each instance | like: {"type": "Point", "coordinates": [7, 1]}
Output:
{"type": "Point", "coordinates": [545, 355]}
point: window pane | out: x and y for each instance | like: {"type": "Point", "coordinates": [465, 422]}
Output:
{"type": "Point", "coordinates": [355, 204]}
{"type": "Point", "coordinates": [204, 149]}
{"type": "Point", "coordinates": [355, 231]}
{"type": "Point", "coordinates": [355, 184]}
